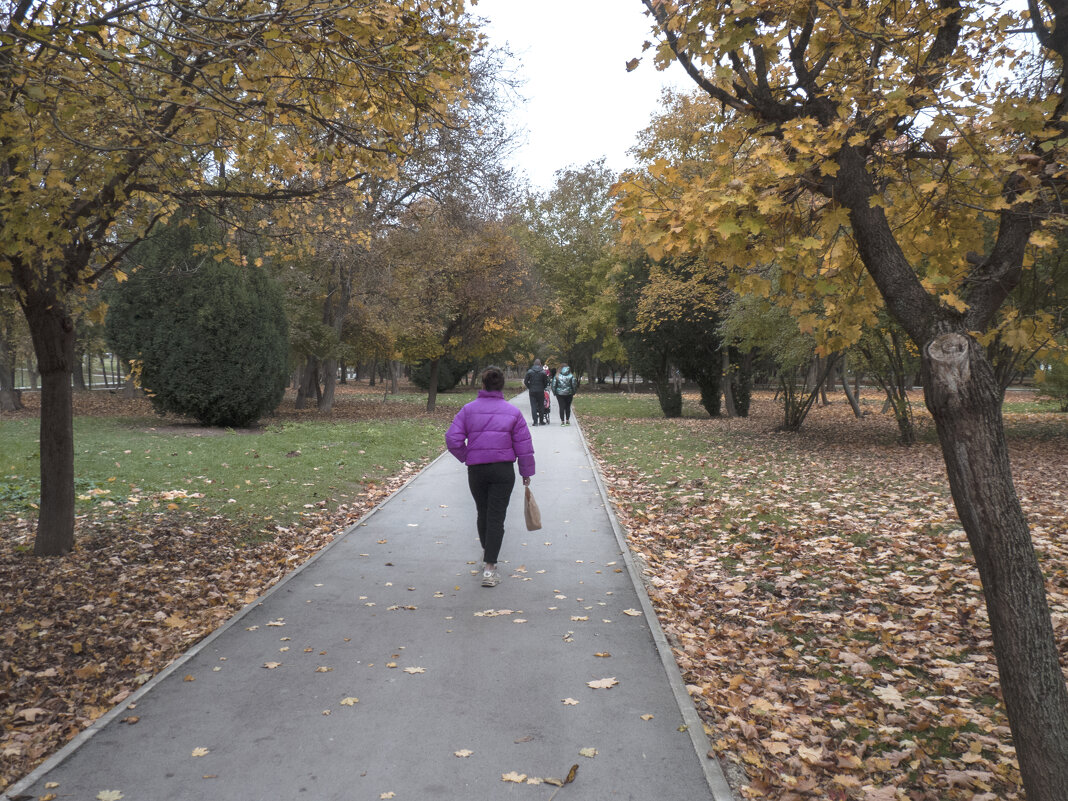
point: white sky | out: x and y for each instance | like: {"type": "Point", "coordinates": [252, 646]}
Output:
{"type": "Point", "coordinates": [581, 101]}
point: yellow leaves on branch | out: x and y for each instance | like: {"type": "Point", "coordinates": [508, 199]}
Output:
{"type": "Point", "coordinates": [752, 192]}
{"type": "Point", "coordinates": [293, 95]}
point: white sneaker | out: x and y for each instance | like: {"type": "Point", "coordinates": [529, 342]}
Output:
{"type": "Point", "coordinates": [490, 578]}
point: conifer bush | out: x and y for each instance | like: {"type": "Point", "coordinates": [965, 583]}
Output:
{"type": "Point", "coordinates": [209, 343]}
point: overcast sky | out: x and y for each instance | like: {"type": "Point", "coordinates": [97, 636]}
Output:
{"type": "Point", "coordinates": [581, 101]}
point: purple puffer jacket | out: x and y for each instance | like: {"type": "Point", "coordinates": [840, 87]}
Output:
{"type": "Point", "coordinates": [490, 429]}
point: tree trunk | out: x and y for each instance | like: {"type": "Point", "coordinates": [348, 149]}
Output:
{"type": "Point", "coordinates": [343, 372]}
{"type": "Point", "coordinates": [373, 372]}
{"type": "Point", "coordinates": [395, 371]}
{"type": "Point", "coordinates": [728, 392]}
{"type": "Point", "coordinates": [10, 397]}
{"type": "Point", "coordinates": [432, 392]}
{"type": "Point", "coordinates": [326, 400]}
{"type": "Point", "coordinates": [77, 373]}
{"type": "Point", "coordinates": [104, 369]}
{"type": "Point", "coordinates": [823, 385]}
{"type": "Point", "coordinates": [848, 391]}
{"type": "Point", "coordinates": [964, 398]}
{"type": "Point", "coordinates": [309, 383]}
{"type": "Point", "coordinates": [52, 331]}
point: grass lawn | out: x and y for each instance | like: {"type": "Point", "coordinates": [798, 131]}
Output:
{"type": "Point", "coordinates": [272, 473]}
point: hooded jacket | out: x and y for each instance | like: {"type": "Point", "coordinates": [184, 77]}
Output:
{"type": "Point", "coordinates": [490, 429]}
{"type": "Point", "coordinates": [564, 382]}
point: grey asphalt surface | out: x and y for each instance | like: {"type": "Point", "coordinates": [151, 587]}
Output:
{"type": "Point", "coordinates": [392, 615]}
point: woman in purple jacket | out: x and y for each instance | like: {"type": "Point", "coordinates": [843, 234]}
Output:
{"type": "Point", "coordinates": [488, 435]}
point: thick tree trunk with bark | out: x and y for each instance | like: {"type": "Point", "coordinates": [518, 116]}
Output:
{"type": "Point", "coordinates": [394, 374]}
{"type": "Point", "coordinates": [309, 383]}
{"type": "Point", "coordinates": [52, 331]}
{"type": "Point", "coordinates": [326, 400]}
{"type": "Point", "coordinates": [964, 397]}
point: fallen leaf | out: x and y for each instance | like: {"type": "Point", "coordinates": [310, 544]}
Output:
{"type": "Point", "coordinates": [109, 795]}
{"type": "Point", "coordinates": [199, 752]}
{"type": "Point", "coordinates": [517, 778]}
{"type": "Point", "coordinates": [589, 753]}
{"type": "Point", "coordinates": [646, 717]}
{"type": "Point", "coordinates": [632, 612]}
{"type": "Point", "coordinates": [323, 669]}
{"type": "Point", "coordinates": [603, 654]}
{"type": "Point", "coordinates": [463, 753]}
{"type": "Point", "coordinates": [602, 684]}
{"type": "Point", "coordinates": [271, 665]}
{"type": "Point", "coordinates": [349, 701]}
{"type": "Point", "coordinates": [414, 670]}
{"type": "Point", "coordinates": [570, 702]}
{"type": "Point", "coordinates": [390, 794]}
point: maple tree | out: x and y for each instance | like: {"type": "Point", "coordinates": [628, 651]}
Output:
{"type": "Point", "coordinates": [894, 154]}
{"type": "Point", "coordinates": [111, 116]}
{"type": "Point", "coordinates": [461, 281]}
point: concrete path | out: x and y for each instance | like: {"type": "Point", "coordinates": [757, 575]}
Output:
{"type": "Point", "coordinates": [391, 614]}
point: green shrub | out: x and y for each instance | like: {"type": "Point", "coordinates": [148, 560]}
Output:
{"type": "Point", "coordinates": [209, 343]}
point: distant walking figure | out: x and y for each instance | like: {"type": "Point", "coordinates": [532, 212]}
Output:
{"type": "Point", "coordinates": [536, 383]}
{"type": "Point", "coordinates": [488, 435]}
{"type": "Point", "coordinates": [564, 385]}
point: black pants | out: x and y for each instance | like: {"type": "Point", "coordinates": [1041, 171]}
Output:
{"type": "Point", "coordinates": [491, 487]}
{"type": "Point", "coordinates": [537, 405]}
{"type": "Point", "coordinates": [565, 407]}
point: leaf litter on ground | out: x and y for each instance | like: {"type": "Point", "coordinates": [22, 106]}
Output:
{"type": "Point", "coordinates": [821, 598]}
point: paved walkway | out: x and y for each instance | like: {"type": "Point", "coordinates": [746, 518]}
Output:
{"type": "Point", "coordinates": [390, 614]}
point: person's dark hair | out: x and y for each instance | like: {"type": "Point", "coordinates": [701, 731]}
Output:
{"type": "Point", "coordinates": [492, 379]}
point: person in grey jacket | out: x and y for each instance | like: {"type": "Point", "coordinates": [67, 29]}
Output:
{"type": "Point", "coordinates": [563, 387]}
{"type": "Point", "coordinates": [536, 383]}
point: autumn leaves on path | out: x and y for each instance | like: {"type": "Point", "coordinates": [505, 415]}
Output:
{"type": "Point", "coordinates": [383, 669]}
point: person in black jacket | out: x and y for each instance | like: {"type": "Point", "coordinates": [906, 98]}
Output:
{"type": "Point", "coordinates": [536, 383]}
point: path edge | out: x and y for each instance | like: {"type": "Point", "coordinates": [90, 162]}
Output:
{"type": "Point", "coordinates": [59, 757]}
{"type": "Point", "coordinates": [695, 727]}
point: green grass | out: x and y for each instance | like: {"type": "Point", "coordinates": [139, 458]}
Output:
{"type": "Point", "coordinates": [1036, 406]}
{"type": "Point", "coordinates": [271, 474]}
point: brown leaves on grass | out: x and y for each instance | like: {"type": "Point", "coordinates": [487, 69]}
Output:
{"type": "Point", "coordinates": [80, 633]}
{"type": "Point", "coordinates": [823, 603]}
{"type": "Point", "coordinates": [355, 401]}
